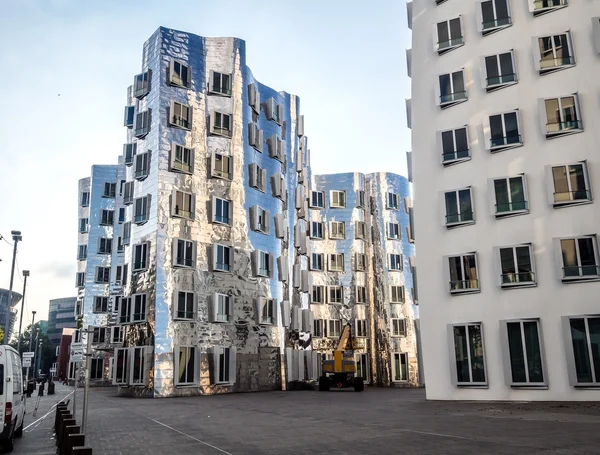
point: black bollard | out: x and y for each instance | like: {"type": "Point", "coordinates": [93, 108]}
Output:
{"type": "Point", "coordinates": [41, 390]}
{"type": "Point", "coordinates": [51, 386]}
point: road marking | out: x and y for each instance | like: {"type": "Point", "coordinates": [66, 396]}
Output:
{"type": "Point", "coordinates": [48, 413]}
{"type": "Point", "coordinates": [191, 437]}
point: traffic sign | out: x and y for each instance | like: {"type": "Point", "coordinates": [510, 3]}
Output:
{"type": "Point", "coordinates": [27, 362]}
{"type": "Point", "coordinates": [27, 355]}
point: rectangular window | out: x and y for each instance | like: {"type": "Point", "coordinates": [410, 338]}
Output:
{"type": "Point", "coordinates": [184, 253]}
{"type": "Point", "coordinates": [570, 183]}
{"type": "Point", "coordinates": [120, 245]}
{"type": "Point", "coordinates": [222, 258]}
{"type": "Point", "coordinates": [185, 365]}
{"type": "Point", "coordinates": [317, 262]}
{"type": "Point", "coordinates": [121, 274]}
{"type": "Point", "coordinates": [97, 369]}
{"type": "Point", "coordinates": [104, 246]}
{"type": "Point", "coordinates": [143, 121]}
{"type": "Point", "coordinates": [336, 262]}
{"type": "Point", "coordinates": [85, 199]}
{"type": "Point", "coordinates": [221, 166]}
{"type": "Point", "coordinates": [138, 308]}
{"type": "Point", "coordinates": [585, 338]}
{"type": "Point", "coordinates": [579, 258]}
{"type": "Point", "coordinates": [276, 148]}
{"type": "Point", "coordinates": [452, 89]}
{"type": "Point", "coordinates": [129, 116]}
{"type": "Point", "coordinates": [335, 294]}
{"type": "Point", "coordinates": [260, 219]}
{"type": "Point", "coordinates": [181, 159]}
{"type": "Point", "coordinates": [317, 200]}
{"type": "Point", "coordinates": [319, 328]}
{"type": "Point", "coordinates": [220, 84]}
{"type": "Point", "coordinates": [274, 111]}
{"type": "Point", "coordinates": [121, 215]}
{"type": "Point", "coordinates": [107, 217]}
{"type": "Point", "coordinates": [360, 199]}
{"type": "Point", "coordinates": [469, 354]}
{"type": "Point", "coordinates": [396, 262]}
{"type": "Point", "coordinates": [258, 177]}
{"type": "Point", "coordinates": [141, 84]}
{"type": "Point", "coordinates": [183, 205]}
{"type": "Point", "coordinates": [129, 152]}
{"type": "Point", "coordinates": [360, 328]}
{"type": "Point", "coordinates": [100, 304]}
{"type": "Point", "coordinates": [255, 137]}
{"type": "Point", "coordinates": [459, 207]}
{"type": "Point", "coordinates": [102, 274]}
{"type": "Point", "coordinates": [185, 305]}
{"type": "Point", "coordinates": [562, 116]}
{"type": "Point", "coordinates": [545, 6]}
{"type": "Point", "coordinates": [335, 328]}
{"type": "Point", "coordinates": [510, 194]}
{"type": "Point", "coordinates": [142, 210]}
{"type": "Point", "coordinates": [180, 115]}
{"type": "Point", "coordinates": [455, 146]}
{"type": "Point", "coordinates": [140, 256]}
{"type": "Point", "coordinates": [110, 190]}
{"type": "Point", "coordinates": [117, 335]}
{"type": "Point", "coordinates": [83, 225]}
{"type": "Point", "coordinates": [400, 367]}
{"type": "Point", "coordinates": [362, 366]}
{"type": "Point", "coordinates": [463, 273]}
{"type": "Point", "coordinates": [398, 327]}
{"type": "Point", "coordinates": [505, 131]}
{"type": "Point", "coordinates": [99, 335]}
{"type": "Point", "coordinates": [254, 98]}
{"type": "Point", "coordinates": [361, 294]}
{"type": "Point", "coordinates": [223, 308]}
{"type": "Point", "coordinates": [121, 366]}
{"type": "Point", "coordinates": [516, 263]}
{"type": "Point", "coordinates": [396, 294]}
{"type": "Point", "coordinates": [142, 165]}
{"type": "Point", "coordinates": [224, 365]}
{"type": "Point", "coordinates": [393, 231]}
{"type": "Point", "coordinates": [361, 262]}
{"type": "Point", "coordinates": [525, 353]}
{"type": "Point", "coordinates": [360, 230]}
{"type": "Point", "coordinates": [221, 124]}
{"type": "Point", "coordinates": [495, 15]}
{"type": "Point", "coordinates": [267, 308]}
{"type": "Point", "coordinates": [500, 71]}
{"type": "Point", "coordinates": [128, 193]}
{"type": "Point", "coordinates": [264, 264]}
{"type": "Point", "coordinates": [318, 294]}
{"type": "Point", "coordinates": [126, 233]}
{"type": "Point", "coordinates": [80, 279]}
{"type": "Point", "coordinates": [179, 74]}
{"type": "Point", "coordinates": [555, 52]}
{"type": "Point", "coordinates": [222, 211]}
{"type": "Point", "coordinates": [82, 253]}
{"type": "Point", "coordinates": [316, 229]}
{"type": "Point", "coordinates": [337, 199]}
{"type": "Point", "coordinates": [449, 35]}
{"type": "Point", "coordinates": [338, 230]}
{"type": "Point", "coordinates": [393, 201]}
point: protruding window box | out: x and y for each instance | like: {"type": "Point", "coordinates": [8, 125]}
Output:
{"type": "Point", "coordinates": [553, 52]}
{"type": "Point", "coordinates": [539, 7]}
{"type": "Point", "coordinates": [578, 258]}
{"type": "Point", "coordinates": [493, 15]}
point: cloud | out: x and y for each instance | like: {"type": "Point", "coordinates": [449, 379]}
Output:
{"type": "Point", "coordinates": [59, 269]}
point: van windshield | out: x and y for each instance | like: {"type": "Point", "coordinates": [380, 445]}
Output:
{"type": "Point", "coordinates": [1, 379]}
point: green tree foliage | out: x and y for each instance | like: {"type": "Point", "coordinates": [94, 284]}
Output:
{"type": "Point", "coordinates": [48, 352]}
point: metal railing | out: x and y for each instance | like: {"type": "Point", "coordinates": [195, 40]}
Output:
{"type": "Point", "coordinates": [140, 218]}
{"type": "Point", "coordinates": [555, 62]}
{"type": "Point", "coordinates": [223, 174]}
{"type": "Point", "coordinates": [581, 271]}
{"type": "Point", "coordinates": [450, 43]}
{"type": "Point", "coordinates": [513, 206]}
{"type": "Point", "coordinates": [184, 262]}
{"type": "Point", "coordinates": [182, 166]}
{"type": "Point", "coordinates": [183, 213]}
{"type": "Point", "coordinates": [518, 277]}
{"type": "Point", "coordinates": [459, 217]}
{"type": "Point", "coordinates": [455, 155]}
{"type": "Point", "coordinates": [501, 79]}
{"type": "Point", "coordinates": [223, 267]}
{"type": "Point", "coordinates": [464, 285]}
{"type": "Point", "coordinates": [141, 173]}
{"type": "Point", "coordinates": [222, 219]}
{"type": "Point", "coordinates": [543, 4]}
{"type": "Point", "coordinates": [505, 140]}
{"type": "Point", "coordinates": [567, 196]}
{"type": "Point", "coordinates": [557, 127]}
{"type": "Point", "coordinates": [180, 122]}
{"type": "Point", "coordinates": [221, 90]}
{"type": "Point", "coordinates": [221, 131]}
{"type": "Point", "coordinates": [451, 97]}
{"type": "Point", "coordinates": [185, 314]}
{"type": "Point", "coordinates": [142, 131]}
{"type": "Point", "coordinates": [499, 22]}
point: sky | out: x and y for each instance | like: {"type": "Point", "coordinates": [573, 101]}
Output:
{"type": "Point", "coordinates": [67, 64]}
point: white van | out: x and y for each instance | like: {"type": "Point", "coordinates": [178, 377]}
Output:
{"type": "Point", "coordinates": [12, 399]}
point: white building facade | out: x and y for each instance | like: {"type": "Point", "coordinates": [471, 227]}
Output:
{"type": "Point", "coordinates": [504, 119]}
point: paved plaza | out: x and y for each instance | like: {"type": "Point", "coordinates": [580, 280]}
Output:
{"type": "Point", "coordinates": [378, 421]}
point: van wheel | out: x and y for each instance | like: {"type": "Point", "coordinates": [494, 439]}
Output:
{"type": "Point", "coordinates": [19, 431]}
{"type": "Point", "coordinates": [9, 444]}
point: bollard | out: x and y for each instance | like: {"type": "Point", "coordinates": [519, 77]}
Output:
{"type": "Point", "coordinates": [73, 440]}
{"type": "Point", "coordinates": [64, 447]}
{"type": "Point", "coordinates": [82, 451]}
{"type": "Point", "coordinates": [51, 388]}
{"type": "Point", "coordinates": [61, 434]}
{"type": "Point", "coordinates": [59, 407]}
{"type": "Point", "coordinates": [41, 390]}
{"type": "Point", "coordinates": [59, 425]}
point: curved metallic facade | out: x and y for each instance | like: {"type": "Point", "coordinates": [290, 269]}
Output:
{"type": "Point", "coordinates": [16, 298]}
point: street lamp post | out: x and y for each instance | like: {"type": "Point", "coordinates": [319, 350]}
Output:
{"type": "Point", "coordinates": [25, 275]}
{"type": "Point", "coordinates": [16, 236]}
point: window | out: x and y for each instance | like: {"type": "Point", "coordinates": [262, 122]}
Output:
{"type": "Point", "coordinates": [222, 211]}
{"type": "Point", "coordinates": [579, 258]}
{"type": "Point", "coordinates": [128, 193]}
{"type": "Point", "coordinates": [180, 115]}
{"type": "Point", "coordinates": [400, 367]}
{"type": "Point", "coordinates": [337, 199]}
{"type": "Point", "coordinates": [102, 274]}
{"type": "Point", "coordinates": [318, 294]}
{"type": "Point", "coordinates": [463, 273]}
{"type": "Point", "coordinates": [360, 328]}
{"type": "Point", "coordinates": [360, 230]}
{"type": "Point", "coordinates": [140, 256]}
{"type": "Point", "coordinates": [83, 225]}
{"type": "Point", "coordinates": [516, 263]}
{"type": "Point", "coordinates": [562, 116]}
{"type": "Point", "coordinates": [258, 177]}
{"type": "Point", "coordinates": [138, 307]}
{"type": "Point", "coordinates": [276, 148]}
{"type": "Point", "coordinates": [142, 165]}
{"type": "Point", "coordinates": [222, 308]}
{"type": "Point", "coordinates": [107, 217]}
{"type": "Point", "coordinates": [317, 262]}
{"type": "Point", "coordinates": [121, 215]}
{"type": "Point", "coordinates": [117, 335]}
{"type": "Point", "coordinates": [393, 201]}
{"type": "Point", "coordinates": [316, 229]}
{"type": "Point", "coordinates": [129, 151]}
{"type": "Point", "coordinates": [362, 366]}
{"type": "Point", "coordinates": [110, 189]}
{"type": "Point", "coordinates": [469, 354]}
{"type": "Point", "coordinates": [452, 89]}
{"type": "Point", "coordinates": [500, 71]}
{"type": "Point", "coordinates": [553, 53]}
{"type": "Point", "coordinates": [80, 279]}
{"type": "Point", "coordinates": [120, 245]}
{"type": "Point", "coordinates": [525, 357]}
{"type": "Point", "coordinates": [396, 294]}
{"type": "Point", "coordinates": [398, 327]}
{"type": "Point", "coordinates": [126, 233]}
{"type": "Point", "coordinates": [185, 365]}
{"type": "Point", "coordinates": [222, 258]}
{"type": "Point", "coordinates": [254, 98]}
{"type": "Point", "coordinates": [319, 328]}
{"type": "Point", "coordinates": [221, 166]}
{"type": "Point", "coordinates": [336, 262]}
{"type": "Point", "coordinates": [260, 219]}
{"type": "Point", "coordinates": [361, 262]}
{"type": "Point", "coordinates": [97, 369]}
{"type": "Point", "coordinates": [317, 199]}
{"type": "Point", "coordinates": [220, 124]}
{"type": "Point", "coordinates": [361, 294]}
{"type": "Point", "coordinates": [220, 84]}
{"type": "Point", "coordinates": [224, 367]}
{"type": "Point", "coordinates": [100, 304]}
{"type": "Point", "coordinates": [129, 116]}
{"type": "Point", "coordinates": [185, 306]}
{"type": "Point", "coordinates": [335, 294]}
{"type": "Point", "coordinates": [121, 366]}
{"type": "Point", "coordinates": [338, 230]}
{"type": "Point", "coordinates": [183, 205]}
{"type": "Point", "coordinates": [505, 131]}
{"type": "Point", "coordinates": [179, 74]}
{"type": "Point", "coordinates": [449, 35]}
{"type": "Point", "coordinates": [266, 311]}
{"type": "Point", "coordinates": [255, 137]}
{"type": "Point", "coordinates": [335, 328]}
{"type": "Point", "coordinates": [184, 253]}
{"type": "Point", "coordinates": [393, 231]}
{"type": "Point", "coordinates": [495, 15]}
{"type": "Point", "coordinates": [143, 121]}
{"type": "Point", "coordinates": [274, 111]}
{"type": "Point", "coordinates": [510, 196]}
{"type": "Point", "coordinates": [121, 274]}
{"type": "Point", "coordinates": [82, 253]}
{"type": "Point", "coordinates": [142, 210]}
{"type": "Point", "coordinates": [360, 199]}
{"type": "Point", "coordinates": [459, 207]}
{"type": "Point", "coordinates": [99, 335]}
{"type": "Point", "coordinates": [570, 184]}
{"type": "Point", "coordinates": [539, 7]}
{"type": "Point", "coordinates": [584, 350]}
{"type": "Point", "coordinates": [141, 84]}
{"type": "Point", "coordinates": [263, 263]}
{"type": "Point", "coordinates": [104, 246]}
{"type": "Point", "coordinates": [181, 159]}
{"type": "Point", "coordinates": [396, 262]}
{"type": "Point", "coordinates": [85, 199]}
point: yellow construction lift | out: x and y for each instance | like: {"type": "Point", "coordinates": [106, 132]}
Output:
{"type": "Point", "coordinates": [341, 371]}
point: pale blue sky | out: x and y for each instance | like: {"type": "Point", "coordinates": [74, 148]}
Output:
{"type": "Point", "coordinates": [67, 63]}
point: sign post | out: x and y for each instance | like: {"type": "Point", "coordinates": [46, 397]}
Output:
{"type": "Point", "coordinates": [76, 356]}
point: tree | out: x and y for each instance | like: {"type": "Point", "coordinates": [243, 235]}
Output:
{"type": "Point", "coordinates": [48, 353]}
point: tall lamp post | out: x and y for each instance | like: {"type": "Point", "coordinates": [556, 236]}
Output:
{"type": "Point", "coordinates": [16, 236]}
{"type": "Point", "coordinates": [25, 274]}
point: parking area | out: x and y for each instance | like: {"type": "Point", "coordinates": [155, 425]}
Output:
{"type": "Point", "coordinates": [378, 421]}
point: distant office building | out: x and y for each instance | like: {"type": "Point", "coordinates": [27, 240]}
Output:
{"type": "Point", "coordinates": [16, 298]}
{"type": "Point", "coordinates": [61, 315]}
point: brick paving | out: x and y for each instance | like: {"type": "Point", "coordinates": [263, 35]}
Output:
{"type": "Point", "coordinates": [378, 421]}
